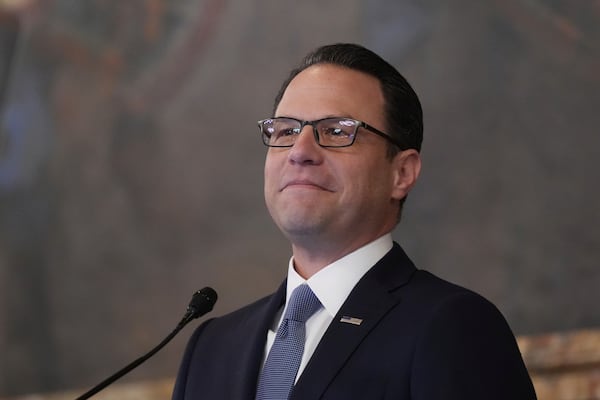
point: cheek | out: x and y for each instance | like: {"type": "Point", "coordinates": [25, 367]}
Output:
{"type": "Point", "coordinates": [370, 181]}
{"type": "Point", "coordinates": [272, 172]}
{"type": "Point", "coordinates": [269, 168]}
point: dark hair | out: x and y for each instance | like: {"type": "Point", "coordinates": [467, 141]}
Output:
{"type": "Point", "coordinates": [402, 112]}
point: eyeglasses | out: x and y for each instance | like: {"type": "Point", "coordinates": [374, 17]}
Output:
{"type": "Point", "coordinates": [329, 132]}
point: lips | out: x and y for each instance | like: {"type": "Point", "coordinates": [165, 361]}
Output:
{"type": "Point", "coordinates": [304, 183]}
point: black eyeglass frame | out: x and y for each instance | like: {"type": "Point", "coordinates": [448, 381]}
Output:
{"type": "Point", "coordinates": [358, 124]}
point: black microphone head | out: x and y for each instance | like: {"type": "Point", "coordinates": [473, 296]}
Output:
{"type": "Point", "coordinates": [202, 302]}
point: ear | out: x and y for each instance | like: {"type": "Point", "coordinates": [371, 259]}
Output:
{"type": "Point", "coordinates": [407, 166]}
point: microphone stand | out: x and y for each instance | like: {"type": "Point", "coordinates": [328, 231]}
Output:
{"type": "Point", "coordinates": [201, 303]}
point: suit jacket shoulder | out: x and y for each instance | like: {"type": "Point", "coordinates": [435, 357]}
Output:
{"type": "Point", "coordinates": [419, 337]}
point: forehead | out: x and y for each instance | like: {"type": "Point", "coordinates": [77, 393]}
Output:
{"type": "Point", "coordinates": [324, 90]}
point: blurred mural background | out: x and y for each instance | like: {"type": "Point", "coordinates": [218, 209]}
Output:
{"type": "Point", "coordinates": [131, 165]}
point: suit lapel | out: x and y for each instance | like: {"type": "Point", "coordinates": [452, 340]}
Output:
{"type": "Point", "coordinates": [373, 296]}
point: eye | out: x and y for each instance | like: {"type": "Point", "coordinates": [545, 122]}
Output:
{"type": "Point", "coordinates": [333, 131]}
{"type": "Point", "coordinates": [288, 131]}
{"type": "Point", "coordinates": [337, 128]}
{"type": "Point", "coordinates": [283, 128]}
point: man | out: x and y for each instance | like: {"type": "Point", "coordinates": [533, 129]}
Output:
{"type": "Point", "coordinates": [343, 155]}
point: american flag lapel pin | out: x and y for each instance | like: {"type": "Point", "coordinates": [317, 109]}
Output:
{"type": "Point", "coordinates": [351, 320]}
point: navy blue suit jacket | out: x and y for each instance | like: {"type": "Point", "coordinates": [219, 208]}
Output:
{"type": "Point", "coordinates": [421, 338]}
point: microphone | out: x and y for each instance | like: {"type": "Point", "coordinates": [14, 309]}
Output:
{"type": "Point", "coordinates": [201, 303]}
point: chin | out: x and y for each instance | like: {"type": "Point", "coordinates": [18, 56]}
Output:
{"type": "Point", "coordinates": [299, 226]}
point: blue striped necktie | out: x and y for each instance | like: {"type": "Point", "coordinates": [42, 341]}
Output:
{"type": "Point", "coordinates": [279, 372]}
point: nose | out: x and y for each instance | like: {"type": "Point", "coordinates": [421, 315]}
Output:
{"type": "Point", "coordinates": [306, 150]}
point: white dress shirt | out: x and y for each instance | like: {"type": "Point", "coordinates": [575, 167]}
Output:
{"type": "Point", "coordinates": [331, 285]}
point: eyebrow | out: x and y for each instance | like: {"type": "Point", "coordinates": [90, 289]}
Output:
{"type": "Point", "coordinates": [324, 117]}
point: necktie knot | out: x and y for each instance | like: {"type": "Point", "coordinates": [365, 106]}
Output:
{"type": "Point", "coordinates": [303, 303]}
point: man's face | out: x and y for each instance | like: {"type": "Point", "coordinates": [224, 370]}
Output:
{"type": "Point", "coordinates": [338, 198]}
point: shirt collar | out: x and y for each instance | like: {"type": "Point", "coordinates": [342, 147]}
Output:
{"type": "Point", "coordinates": [334, 282]}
